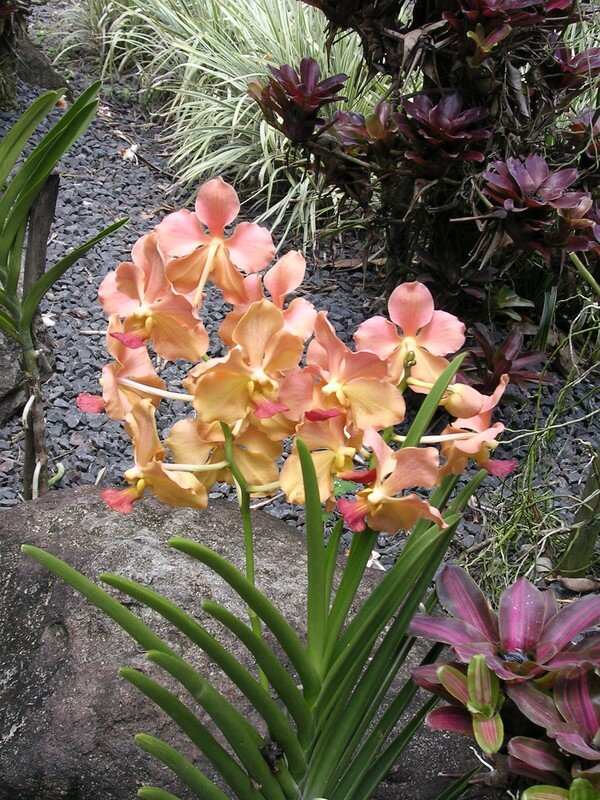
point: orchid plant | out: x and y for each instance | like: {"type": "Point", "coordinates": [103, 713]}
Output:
{"type": "Point", "coordinates": [284, 386]}
{"type": "Point", "coordinates": [524, 683]}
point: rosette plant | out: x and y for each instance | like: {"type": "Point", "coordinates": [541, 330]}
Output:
{"type": "Point", "coordinates": [468, 85]}
{"type": "Point", "coordinates": [524, 684]}
{"type": "Point", "coordinates": [329, 411]}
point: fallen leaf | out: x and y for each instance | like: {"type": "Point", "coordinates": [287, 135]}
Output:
{"type": "Point", "coordinates": [580, 585]}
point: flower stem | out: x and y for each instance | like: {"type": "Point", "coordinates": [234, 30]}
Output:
{"type": "Point", "coordinates": [187, 398]}
{"type": "Point", "coordinates": [196, 467]}
{"type": "Point", "coordinates": [244, 501]}
{"type": "Point", "coordinates": [585, 273]}
{"type": "Point", "coordinates": [444, 437]}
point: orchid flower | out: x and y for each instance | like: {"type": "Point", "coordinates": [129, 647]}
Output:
{"type": "Point", "coordinates": [247, 380]}
{"type": "Point", "coordinates": [358, 384]}
{"type": "Point", "coordinates": [283, 278]}
{"type": "Point", "coordinates": [123, 381]}
{"type": "Point", "coordinates": [139, 291]}
{"type": "Point", "coordinates": [478, 446]}
{"type": "Point", "coordinates": [332, 450]}
{"type": "Point", "coordinates": [196, 442]}
{"type": "Point", "coordinates": [192, 256]}
{"type": "Point", "coordinates": [174, 487]}
{"type": "Point", "coordinates": [377, 505]}
{"type": "Point", "coordinates": [526, 639]}
{"type": "Point", "coordinates": [424, 332]}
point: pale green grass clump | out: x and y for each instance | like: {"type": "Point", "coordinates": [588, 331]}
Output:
{"type": "Point", "coordinates": [197, 58]}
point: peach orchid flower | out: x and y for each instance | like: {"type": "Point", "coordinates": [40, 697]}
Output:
{"type": "Point", "coordinates": [357, 384]}
{"type": "Point", "coordinates": [425, 332]}
{"type": "Point", "coordinates": [124, 379]}
{"type": "Point", "coordinates": [191, 440]}
{"type": "Point", "coordinates": [479, 440]}
{"type": "Point", "coordinates": [247, 380]}
{"type": "Point", "coordinates": [332, 451]}
{"type": "Point", "coordinates": [139, 291]}
{"type": "Point", "coordinates": [377, 505]}
{"type": "Point", "coordinates": [172, 486]}
{"type": "Point", "coordinates": [193, 256]}
{"type": "Point", "coordinates": [283, 278]}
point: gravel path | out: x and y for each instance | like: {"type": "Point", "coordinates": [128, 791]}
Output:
{"type": "Point", "coordinates": [98, 186]}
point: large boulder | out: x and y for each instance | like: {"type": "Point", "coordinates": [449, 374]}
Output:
{"type": "Point", "coordinates": [68, 720]}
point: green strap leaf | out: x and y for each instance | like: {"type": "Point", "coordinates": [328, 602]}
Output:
{"type": "Point", "coordinates": [331, 556]}
{"type": "Point", "coordinates": [193, 778]}
{"type": "Point", "coordinates": [49, 278]}
{"type": "Point", "coordinates": [8, 325]}
{"type": "Point", "coordinates": [243, 738]}
{"type": "Point", "coordinates": [278, 676]}
{"type": "Point", "coordinates": [151, 793]}
{"type": "Point", "coordinates": [454, 791]}
{"type": "Point", "coordinates": [13, 144]}
{"type": "Point", "coordinates": [360, 552]}
{"type": "Point", "coordinates": [253, 597]}
{"type": "Point", "coordinates": [279, 727]}
{"type": "Point", "coordinates": [315, 548]}
{"type": "Point", "coordinates": [346, 726]}
{"type": "Point", "coordinates": [25, 186]}
{"type": "Point", "coordinates": [101, 599]}
{"type": "Point", "coordinates": [386, 760]}
{"type": "Point", "coordinates": [235, 777]}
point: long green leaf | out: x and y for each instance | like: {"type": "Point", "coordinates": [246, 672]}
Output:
{"type": "Point", "coordinates": [243, 738]}
{"type": "Point", "coordinates": [35, 163]}
{"type": "Point", "coordinates": [13, 144]}
{"type": "Point", "coordinates": [360, 552]}
{"type": "Point", "coordinates": [8, 325]}
{"type": "Point", "coordinates": [235, 777]}
{"type": "Point", "coordinates": [151, 793]}
{"type": "Point", "coordinates": [362, 632]}
{"type": "Point", "coordinates": [331, 557]}
{"type": "Point", "coordinates": [282, 630]}
{"type": "Point", "coordinates": [345, 727]}
{"type": "Point", "coordinates": [431, 402]}
{"type": "Point", "coordinates": [193, 778]}
{"type": "Point", "coordinates": [278, 676]}
{"type": "Point", "coordinates": [279, 727]}
{"type": "Point", "coordinates": [49, 278]}
{"type": "Point", "coordinates": [9, 277]}
{"type": "Point", "coordinates": [101, 599]}
{"type": "Point", "coordinates": [361, 761]}
{"type": "Point", "coordinates": [454, 791]}
{"type": "Point", "coordinates": [315, 547]}
{"type": "Point", "coordinates": [386, 760]}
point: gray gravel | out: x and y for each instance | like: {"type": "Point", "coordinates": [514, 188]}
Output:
{"type": "Point", "coordinates": [99, 186]}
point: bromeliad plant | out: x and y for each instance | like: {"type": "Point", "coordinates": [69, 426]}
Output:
{"type": "Point", "coordinates": [524, 683]}
{"type": "Point", "coordinates": [335, 412]}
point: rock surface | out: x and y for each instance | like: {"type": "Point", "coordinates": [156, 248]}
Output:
{"type": "Point", "coordinates": [68, 720]}
{"type": "Point", "coordinates": [12, 393]}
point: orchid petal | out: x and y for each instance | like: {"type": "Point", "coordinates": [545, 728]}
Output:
{"type": "Point", "coordinates": [217, 205]}
{"type": "Point", "coordinates": [374, 404]}
{"type": "Point", "coordinates": [285, 276]}
{"type": "Point", "coordinates": [250, 247]}
{"type": "Point", "coordinates": [179, 234]}
{"type": "Point", "coordinates": [90, 403]}
{"type": "Point", "coordinates": [443, 334]}
{"type": "Point", "coordinates": [120, 500]}
{"type": "Point", "coordinates": [411, 307]}
{"type": "Point", "coordinates": [377, 335]}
